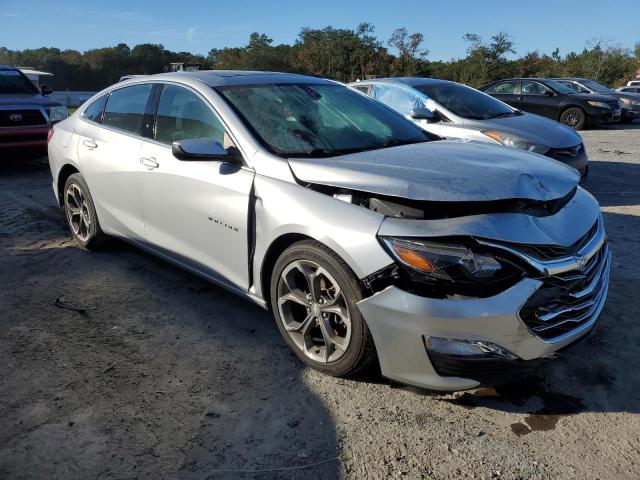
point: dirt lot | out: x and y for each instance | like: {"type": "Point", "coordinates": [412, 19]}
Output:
{"type": "Point", "coordinates": [167, 376]}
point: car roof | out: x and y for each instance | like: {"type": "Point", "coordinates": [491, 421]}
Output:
{"type": "Point", "coordinates": [221, 78]}
{"type": "Point", "coordinates": [7, 67]}
{"type": "Point", "coordinates": [411, 81]}
{"type": "Point", "coordinates": [575, 79]}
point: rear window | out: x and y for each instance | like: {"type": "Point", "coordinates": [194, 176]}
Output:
{"type": "Point", "coordinates": [125, 108]}
{"type": "Point", "coordinates": [94, 111]}
{"type": "Point", "coordinates": [13, 81]}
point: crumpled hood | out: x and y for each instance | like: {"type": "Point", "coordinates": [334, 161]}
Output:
{"type": "Point", "coordinates": [443, 171]}
{"type": "Point", "coordinates": [533, 128]}
{"type": "Point", "coordinates": [27, 99]}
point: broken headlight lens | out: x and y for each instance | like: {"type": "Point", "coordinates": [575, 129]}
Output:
{"type": "Point", "coordinates": [443, 261]}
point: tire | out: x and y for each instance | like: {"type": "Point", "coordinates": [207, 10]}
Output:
{"type": "Point", "coordinates": [574, 117]}
{"type": "Point", "coordinates": [350, 348]}
{"type": "Point", "coordinates": [81, 214]}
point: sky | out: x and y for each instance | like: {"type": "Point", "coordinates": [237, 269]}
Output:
{"type": "Point", "coordinates": [199, 25]}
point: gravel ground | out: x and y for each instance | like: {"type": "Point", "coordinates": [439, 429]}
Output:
{"type": "Point", "coordinates": [167, 376]}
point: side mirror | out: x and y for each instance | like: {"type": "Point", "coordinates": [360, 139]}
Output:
{"type": "Point", "coordinates": [204, 149]}
{"type": "Point", "coordinates": [423, 113]}
{"type": "Point", "coordinates": [46, 89]}
{"type": "Point", "coordinates": [549, 93]}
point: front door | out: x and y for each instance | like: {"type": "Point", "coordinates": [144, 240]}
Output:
{"type": "Point", "coordinates": [195, 212]}
{"type": "Point", "coordinates": [538, 99]}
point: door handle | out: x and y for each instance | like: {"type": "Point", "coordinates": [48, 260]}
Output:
{"type": "Point", "coordinates": [90, 144]}
{"type": "Point", "coordinates": [522, 98]}
{"type": "Point", "coordinates": [149, 162]}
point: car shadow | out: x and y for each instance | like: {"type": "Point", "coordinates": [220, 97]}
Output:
{"type": "Point", "coordinates": [139, 368]}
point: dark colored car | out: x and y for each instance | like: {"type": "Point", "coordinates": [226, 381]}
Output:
{"type": "Point", "coordinates": [26, 114]}
{"type": "Point", "coordinates": [628, 89]}
{"type": "Point", "coordinates": [629, 101]}
{"type": "Point", "coordinates": [551, 99]}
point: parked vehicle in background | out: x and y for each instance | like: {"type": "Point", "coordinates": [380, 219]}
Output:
{"type": "Point", "coordinates": [628, 89]}
{"type": "Point", "coordinates": [629, 102]}
{"type": "Point", "coordinates": [553, 100]}
{"type": "Point", "coordinates": [633, 83]}
{"type": "Point", "coordinates": [26, 114]}
{"type": "Point", "coordinates": [452, 110]}
{"type": "Point", "coordinates": [456, 263]}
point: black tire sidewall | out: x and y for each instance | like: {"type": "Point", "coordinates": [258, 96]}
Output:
{"type": "Point", "coordinates": [95, 232]}
{"type": "Point", "coordinates": [356, 355]}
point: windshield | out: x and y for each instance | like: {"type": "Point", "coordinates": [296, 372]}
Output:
{"type": "Point", "coordinates": [466, 102]}
{"type": "Point", "coordinates": [560, 88]}
{"type": "Point", "coordinates": [596, 87]}
{"type": "Point", "coordinates": [318, 120]}
{"type": "Point", "coordinates": [12, 81]}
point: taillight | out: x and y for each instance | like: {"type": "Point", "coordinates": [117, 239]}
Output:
{"type": "Point", "coordinates": [49, 135]}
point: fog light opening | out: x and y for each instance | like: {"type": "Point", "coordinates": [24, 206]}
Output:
{"type": "Point", "coordinates": [466, 348]}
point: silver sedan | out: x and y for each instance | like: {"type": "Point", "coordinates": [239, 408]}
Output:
{"type": "Point", "coordinates": [454, 111]}
{"type": "Point", "coordinates": [451, 264]}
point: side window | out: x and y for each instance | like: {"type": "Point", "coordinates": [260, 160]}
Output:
{"type": "Point", "coordinates": [184, 115]}
{"type": "Point", "coordinates": [398, 99]}
{"type": "Point", "coordinates": [504, 88]}
{"type": "Point", "coordinates": [533, 88]}
{"type": "Point", "coordinates": [125, 108]}
{"type": "Point", "coordinates": [573, 86]}
{"type": "Point", "coordinates": [94, 111]}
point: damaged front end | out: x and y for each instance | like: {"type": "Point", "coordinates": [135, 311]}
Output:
{"type": "Point", "coordinates": [481, 292]}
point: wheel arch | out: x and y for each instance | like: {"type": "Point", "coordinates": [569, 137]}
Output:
{"type": "Point", "coordinates": [276, 248]}
{"type": "Point", "coordinates": [572, 105]}
{"type": "Point", "coordinates": [65, 172]}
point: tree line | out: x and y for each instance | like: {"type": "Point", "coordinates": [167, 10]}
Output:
{"type": "Point", "coordinates": [338, 53]}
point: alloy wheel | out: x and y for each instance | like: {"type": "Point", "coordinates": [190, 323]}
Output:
{"type": "Point", "coordinates": [78, 212]}
{"type": "Point", "coordinates": [572, 119]}
{"type": "Point", "coordinates": [314, 311]}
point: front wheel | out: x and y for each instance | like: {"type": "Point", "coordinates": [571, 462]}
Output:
{"type": "Point", "coordinates": [574, 117]}
{"type": "Point", "coordinates": [81, 213]}
{"type": "Point", "coordinates": [313, 297]}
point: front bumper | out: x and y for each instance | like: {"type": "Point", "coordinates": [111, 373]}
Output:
{"type": "Point", "coordinates": [24, 138]}
{"type": "Point", "coordinates": [604, 115]}
{"type": "Point", "coordinates": [576, 157]}
{"type": "Point", "coordinates": [631, 113]}
{"type": "Point", "coordinates": [400, 322]}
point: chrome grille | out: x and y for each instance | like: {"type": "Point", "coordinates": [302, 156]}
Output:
{"type": "Point", "coordinates": [570, 300]}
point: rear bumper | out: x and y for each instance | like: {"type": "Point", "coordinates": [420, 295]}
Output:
{"type": "Point", "coordinates": [24, 138]}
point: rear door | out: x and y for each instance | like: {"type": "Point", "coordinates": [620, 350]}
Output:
{"type": "Point", "coordinates": [108, 150]}
{"type": "Point", "coordinates": [196, 212]}
{"type": "Point", "coordinates": [537, 98]}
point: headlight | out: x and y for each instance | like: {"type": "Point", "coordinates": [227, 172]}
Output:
{"type": "Point", "coordinates": [595, 103]}
{"type": "Point", "coordinates": [511, 140]}
{"type": "Point", "coordinates": [439, 260]}
{"type": "Point", "coordinates": [628, 101]}
{"type": "Point", "coordinates": [58, 113]}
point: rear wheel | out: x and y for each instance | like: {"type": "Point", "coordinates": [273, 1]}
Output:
{"type": "Point", "coordinates": [313, 296]}
{"type": "Point", "coordinates": [574, 117]}
{"type": "Point", "coordinates": [81, 213]}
